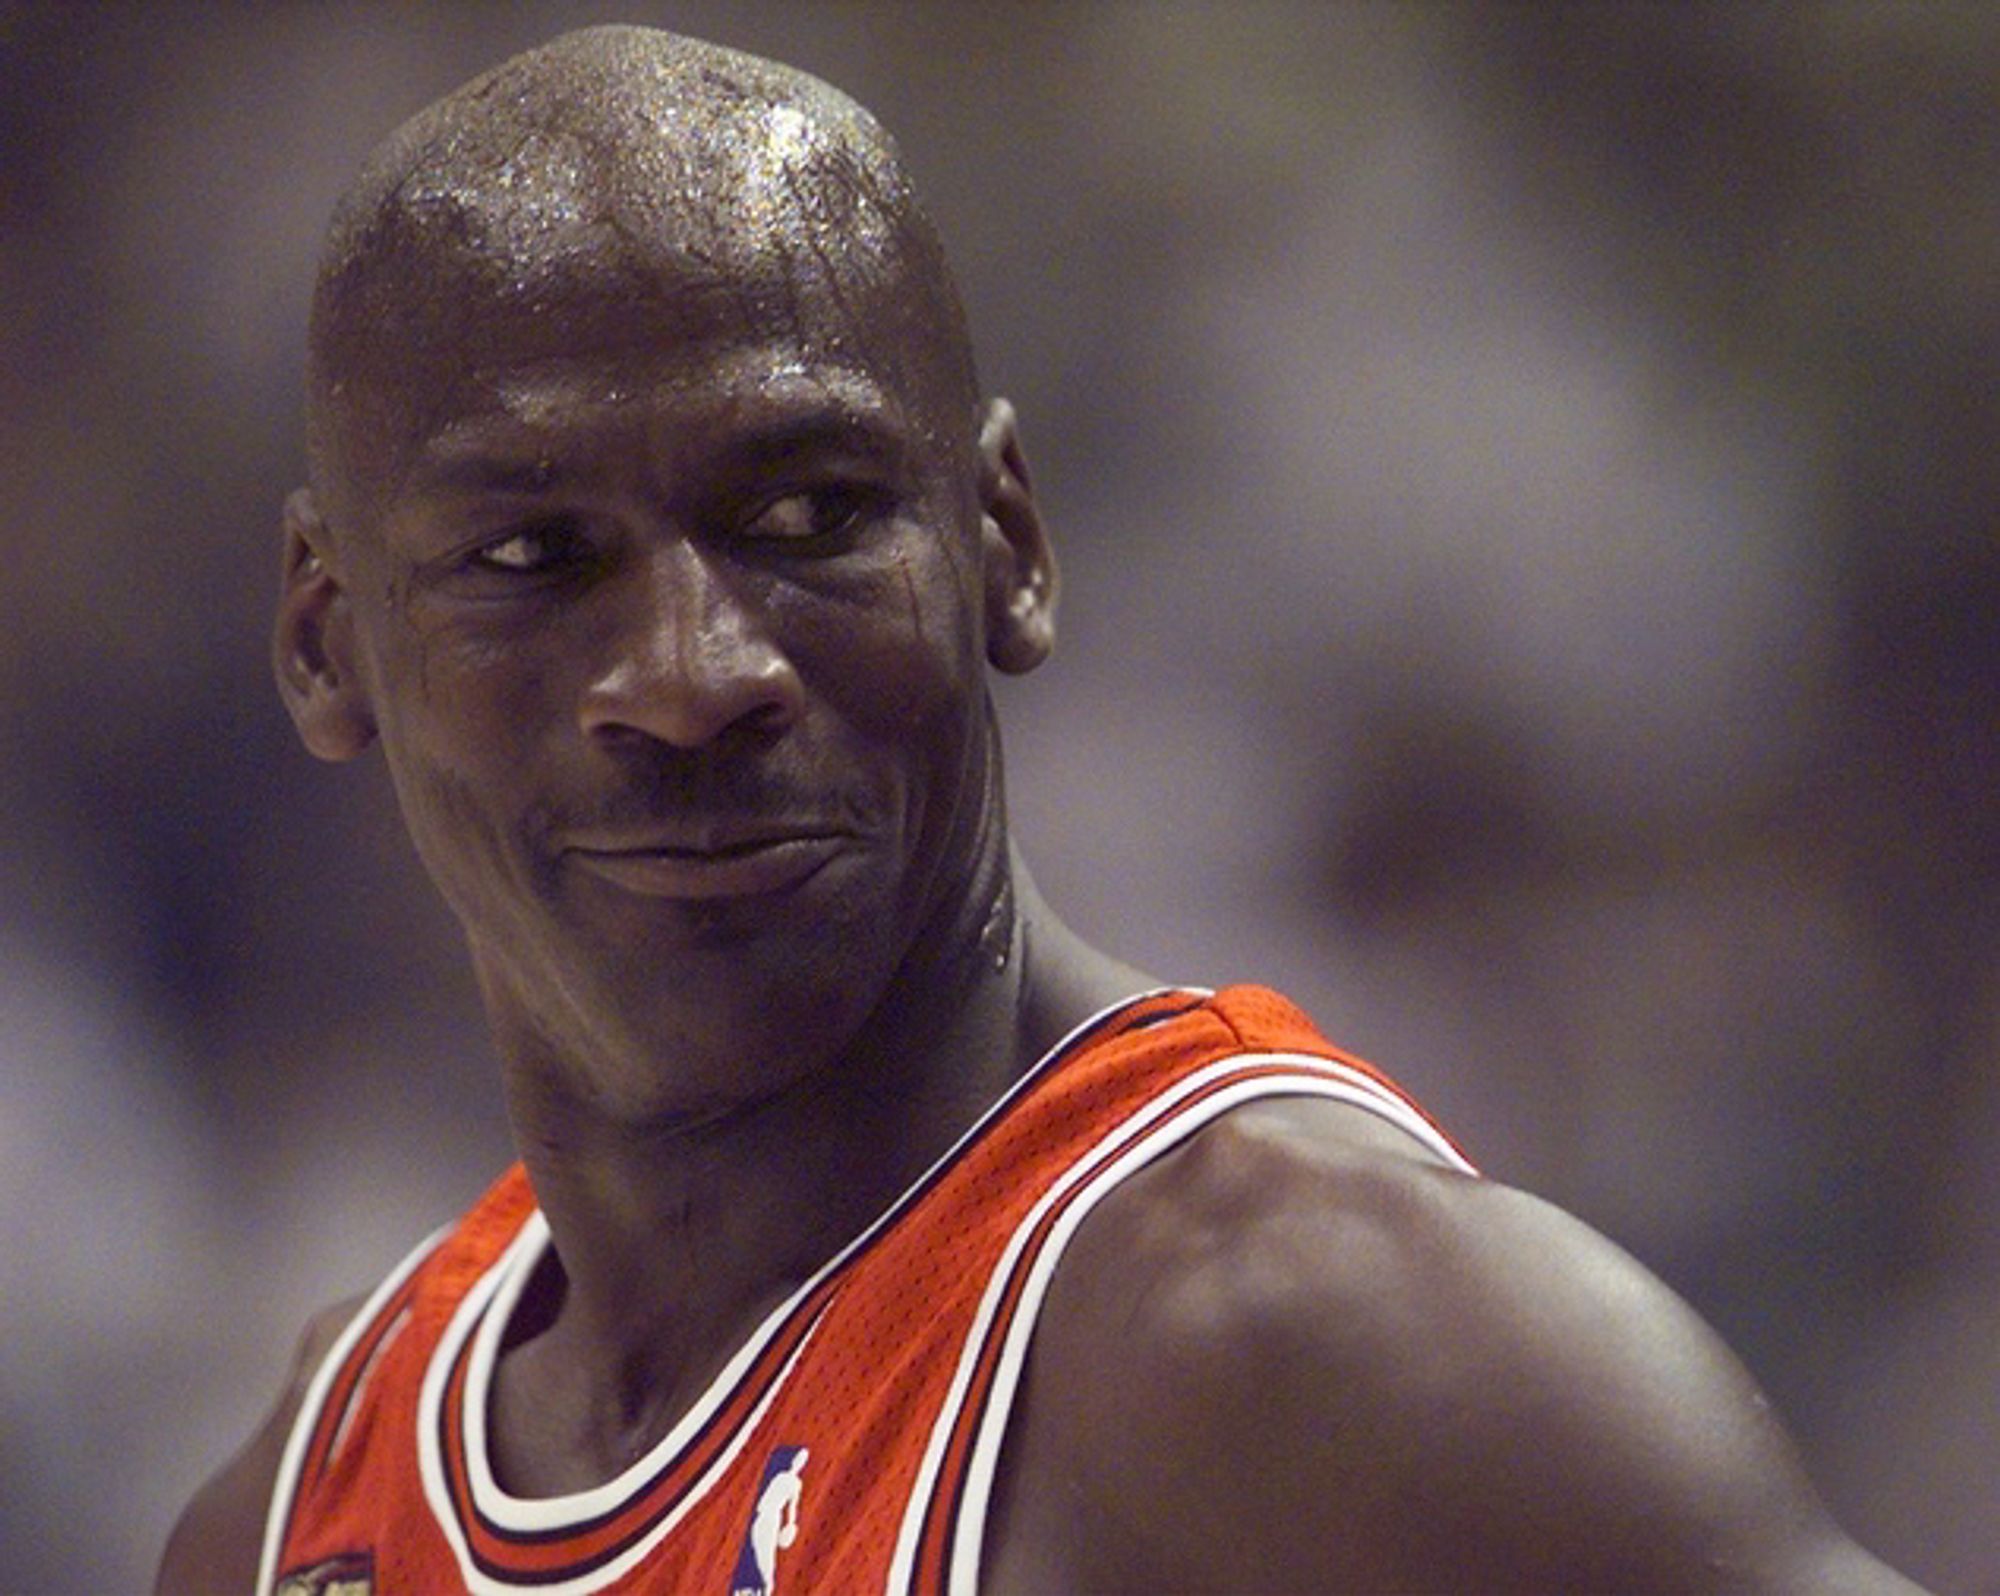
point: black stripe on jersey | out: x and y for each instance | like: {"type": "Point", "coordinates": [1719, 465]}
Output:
{"type": "Point", "coordinates": [458, 1483]}
{"type": "Point", "coordinates": [741, 1402]}
{"type": "Point", "coordinates": [1145, 1022]}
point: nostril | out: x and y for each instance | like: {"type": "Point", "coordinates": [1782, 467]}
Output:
{"type": "Point", "coordinates": [689, 656]}
{"type": "Point", "coordinates": [688, 698]}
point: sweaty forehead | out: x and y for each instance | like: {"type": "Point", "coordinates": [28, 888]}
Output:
{"type": "Point", "coordinates": [708, 164]}
{"type": "Point", "coordinates": [617, 180]}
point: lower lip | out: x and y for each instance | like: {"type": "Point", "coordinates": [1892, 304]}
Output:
{"type": "Point", "coordinates": [754, 872]}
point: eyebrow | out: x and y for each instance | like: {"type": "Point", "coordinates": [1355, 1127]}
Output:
{"type": "Point", "coordinates": [523, 460]}
{"type": "Point", "coordinates": [483, 472]}
{"type": "Point", "coordinates": [868, 433]}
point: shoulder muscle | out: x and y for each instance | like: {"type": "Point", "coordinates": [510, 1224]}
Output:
{"type": "Point", "coordinates": [1292, 1355]}
{"type": "Point", "coordinates": [217, 1542]}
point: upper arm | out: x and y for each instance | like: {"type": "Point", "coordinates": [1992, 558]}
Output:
{"type": "Point", "coordinates": [216, 1545]}
{"type": "Point", "coordinates": [1286, 1359]}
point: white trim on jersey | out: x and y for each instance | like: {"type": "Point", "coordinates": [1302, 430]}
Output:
{"type": "Point", "coordinates": [507, 1279]}
{"type": "Point", "coordinates": [501, 1287]}
{"type": "Point", "coordinates": [1128, 1147]}
{"type": "Point", "coordinates": [285, 1487]}
{"type": "Point", "coordinates": [482, 1317]}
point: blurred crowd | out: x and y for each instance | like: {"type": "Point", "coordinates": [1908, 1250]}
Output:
{"type": "Point", "coordinates": [1529, 488]}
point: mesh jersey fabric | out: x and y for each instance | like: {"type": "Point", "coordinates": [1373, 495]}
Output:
{"type": "Point", "coordinates": [851, 1443]}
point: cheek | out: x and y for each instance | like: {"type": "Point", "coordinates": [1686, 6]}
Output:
{"type": "Point", "coordinates": [465, 694]}
{"type": "Point", "coordinates": [480, 839]}
{"type": "Point", "coordinates": [458, 821]}
{"type": "Point", "coordinates": [899, 655]}
{"type": "Point", "coordinates": [457, 724]}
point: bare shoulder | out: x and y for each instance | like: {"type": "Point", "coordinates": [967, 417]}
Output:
{"type": "Point", "coordinates": [1296, 1353]}
{"type": "Point", "coordinates": [216, 1544]}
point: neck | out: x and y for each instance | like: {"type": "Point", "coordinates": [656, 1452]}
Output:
{"type": "Point", "coordinates": [675, 1238]}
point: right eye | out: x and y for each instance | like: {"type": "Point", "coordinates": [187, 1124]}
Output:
{"type": "Point", "coordinates": [528, 550]}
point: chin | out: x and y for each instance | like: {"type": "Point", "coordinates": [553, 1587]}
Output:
{"type": "Point", "coordinates": [705, 1033]}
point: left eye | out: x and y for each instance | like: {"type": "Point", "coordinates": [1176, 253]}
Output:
{"type": "Point", "coordinates": [820, 515]}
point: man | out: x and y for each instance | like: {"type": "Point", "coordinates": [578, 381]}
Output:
{"type": "Point", "coordinates": [872, 1232]}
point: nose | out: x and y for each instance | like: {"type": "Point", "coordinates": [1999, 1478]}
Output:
{"type": "Point", "coordinates": [687, 658]}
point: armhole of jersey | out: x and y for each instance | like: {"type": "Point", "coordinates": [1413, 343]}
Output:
{"type": "Point", "coordinates": [285, 1488]}
{"type": "Point", "coordinates": [1136, 1142]}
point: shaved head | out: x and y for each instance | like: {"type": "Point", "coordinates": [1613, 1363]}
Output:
{"type": "Point", "coordinates": [613, 175]}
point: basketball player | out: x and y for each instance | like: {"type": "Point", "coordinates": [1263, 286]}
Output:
{"type": "Point", "coordinates": [871, 1231]}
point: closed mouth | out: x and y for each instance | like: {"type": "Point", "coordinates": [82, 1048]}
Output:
{"type": "Point", "coordinates": [715, 867]}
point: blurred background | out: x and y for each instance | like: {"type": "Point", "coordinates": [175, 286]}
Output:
{"type": "Point", "coordinates": [1529, 483]}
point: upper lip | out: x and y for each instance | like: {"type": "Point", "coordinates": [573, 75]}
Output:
{"type": "Point", "coordinates": [700, 838]}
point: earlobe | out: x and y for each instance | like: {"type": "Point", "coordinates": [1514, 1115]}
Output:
{"type": "Point", "coordinates": [1019, 562]}
{"type": "Point", "coordinates": [312, 642]}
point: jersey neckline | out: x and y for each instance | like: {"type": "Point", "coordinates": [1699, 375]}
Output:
{"type": "Point", "coordinates": [612, 1526]}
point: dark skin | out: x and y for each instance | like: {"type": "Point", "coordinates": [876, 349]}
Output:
{"type": "Point", "coordinates": [672, 625]}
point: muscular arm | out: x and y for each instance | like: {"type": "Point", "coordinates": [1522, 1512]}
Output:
{"type": "Point", "coordinates": [216, 1545]}
{"type": "Point", "coordinates": [1294, 1356]}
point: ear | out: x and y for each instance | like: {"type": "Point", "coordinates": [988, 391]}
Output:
{"type": "Point", "coordinates": [1019, 563]}
{"type": "Point", "coordinates": [312, 644]}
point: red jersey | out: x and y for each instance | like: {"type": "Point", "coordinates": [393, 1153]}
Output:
{"type": "Point", "coordinates": [851, 1442]}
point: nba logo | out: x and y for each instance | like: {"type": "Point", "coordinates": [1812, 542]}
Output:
{"type": "Point", "coordinates": [773, 1526]}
